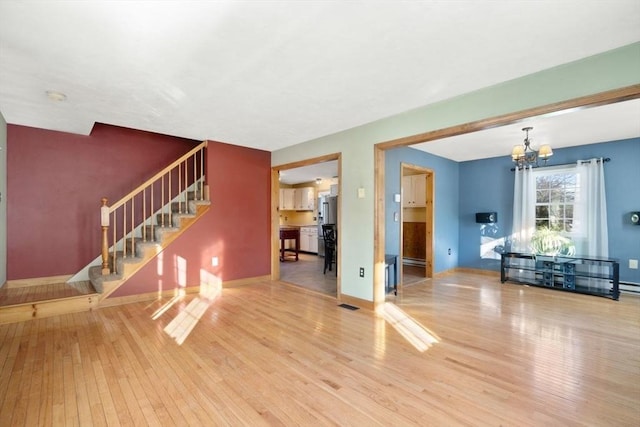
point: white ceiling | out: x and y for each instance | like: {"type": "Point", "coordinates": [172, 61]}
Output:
{"type": "Point", "coordinates": [270, 74]}
{"type": "Point", "coordinates": [326, 171]}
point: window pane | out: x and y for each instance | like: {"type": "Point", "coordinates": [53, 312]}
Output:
{"type": "Point", "coordinates": [568, 225]}
{"type": "Point", "coordinates": [557, 181]}
{"type": "Point", "coordinates": [542, 223]}
{"type": "Point", "coordinates": [568, 211]}
{"type": "Point", "coordinates": [556, 224]}
{"type": "Point", "coordinates": [542, 182]}
{"type": "Point", "coordinates": [557, 211]}
{"type": "Point", "coordinates": [570, 195]}
{"type": "Point", "coordinates": [542, 211]}
{"type": "Point", "coordinates": [542, 196]}
{"type": "Point", "coordinates": [557, 196]}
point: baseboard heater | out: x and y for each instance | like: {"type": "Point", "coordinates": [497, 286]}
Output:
{"type": "Point", "coordinates": [414, 261]}
{"type": "Point", "coordinates": [629, 287]}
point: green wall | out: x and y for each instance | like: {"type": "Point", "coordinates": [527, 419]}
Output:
{"type": "Point", "coordinates": [606, 71]}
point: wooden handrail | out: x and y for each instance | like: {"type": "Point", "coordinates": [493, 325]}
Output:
{"type": "Point", "coordinates": [154, 178]}
{"type": "Point", "coordinates": [128, 233]}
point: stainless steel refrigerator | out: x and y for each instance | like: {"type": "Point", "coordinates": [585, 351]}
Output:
{"type": "Point", "coordinates": [327, 214]}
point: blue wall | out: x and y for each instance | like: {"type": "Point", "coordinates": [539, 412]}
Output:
{"type": "Point", "coordinates": [487, 185]}
{"type": "Point", "coordinates": [446, 203]}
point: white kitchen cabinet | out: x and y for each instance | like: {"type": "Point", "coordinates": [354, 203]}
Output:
{"type": "Point", "coordinates": [297, 199]}
{"type": "Point", "coordinates": [287, 199]}
{"type": "Point", "coordinates": [309, 239]}
{"type": "Point", "coordinates": [305, 199]}
{"type": "Point", "coordinates": [313, 242]}
{"type": "Point", "coordinates": [414, 191]}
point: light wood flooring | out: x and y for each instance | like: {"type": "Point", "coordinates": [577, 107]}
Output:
{"type": "Point", "coordinates": [412, 274]}
{"type": "Point", "coordinates": [274, 354]}
{"type": "Point", "coordinates": [35, 293]}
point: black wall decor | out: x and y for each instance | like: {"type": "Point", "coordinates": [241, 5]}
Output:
{"type": "Point", "coordinates": [486, 217]}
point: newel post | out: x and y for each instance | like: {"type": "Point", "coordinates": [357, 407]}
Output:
{"type": "Point", "coordinates": [104, 222]}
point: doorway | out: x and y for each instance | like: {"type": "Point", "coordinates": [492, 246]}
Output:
{"type": "Point", "coordinates": [598, 99]}
{"type": "Point", "coordinates": [416, 224]}
{"type": "Point", "coordinates": [313, 178]}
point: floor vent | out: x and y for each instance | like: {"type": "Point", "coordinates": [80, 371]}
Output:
{"type": "Point", "coordinates": [349, 307]}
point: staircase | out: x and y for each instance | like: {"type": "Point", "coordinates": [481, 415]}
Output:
{"type": "Point", "coordinates": [181, 198]}
{"type": "Point", "coordinates": [141, 252]}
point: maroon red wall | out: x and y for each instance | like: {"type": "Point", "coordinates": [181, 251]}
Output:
{"type": "Point", "coordinates": [236, 229]}
{"type": "Point", "coordinates": [56, 180]}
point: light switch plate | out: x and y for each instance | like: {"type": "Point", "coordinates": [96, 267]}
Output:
{"type": "Point", "coordinates": [633, 264]}
{"type": "Point", "coordinates": [360, 193]}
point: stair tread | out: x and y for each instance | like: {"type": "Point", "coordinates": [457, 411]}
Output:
{"type": "Point", "coordinates": [37, 293]}
{"type": "Point", "coordinates": [159, 232]}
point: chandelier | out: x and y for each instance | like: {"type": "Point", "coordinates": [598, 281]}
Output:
{"type": "Point", "coordinates": [524, 155]}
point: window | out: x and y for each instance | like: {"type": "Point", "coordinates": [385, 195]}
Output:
{"type": "Point", "coordinates": [556, 195]}
{"type": "Point", "coordinates": [556, 192]}
{"type": "Point", "coordinates": [561, 210]}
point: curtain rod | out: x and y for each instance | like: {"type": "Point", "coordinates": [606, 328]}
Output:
{"type": "Point", "coordinates": [605, 160]}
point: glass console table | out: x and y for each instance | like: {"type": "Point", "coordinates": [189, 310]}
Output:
{"type": "Point", "coordinates": [585, 275]}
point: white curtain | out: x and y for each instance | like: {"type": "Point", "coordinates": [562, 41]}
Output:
{"type": "Point", "coordinates": [590, 219]}
{"type": "Point", "coordinates": [524, 209]}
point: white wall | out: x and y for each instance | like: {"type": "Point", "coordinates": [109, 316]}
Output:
{"type": "Point", "coordinates": [610, 70]}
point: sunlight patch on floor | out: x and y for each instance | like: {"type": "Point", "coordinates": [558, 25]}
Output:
{"type": "Point", "coordinates": [416, 334]}
{"type": "Point", "coordinates": [182, 325]}
{"type": "Point", "coordinates": [178, 297]}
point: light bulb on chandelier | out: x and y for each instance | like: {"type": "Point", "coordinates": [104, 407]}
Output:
{"type": "Point", "coordinates": [524, 155]}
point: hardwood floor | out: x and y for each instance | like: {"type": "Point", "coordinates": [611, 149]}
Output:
{"type": "Point", "coordinates": [272, 354]}
{"type": "Point", "coordinates": [26, 294]}
{"type": "Point", "coordinates": [412, 274]}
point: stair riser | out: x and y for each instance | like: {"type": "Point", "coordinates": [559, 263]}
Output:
{"type": "Point", "coordinates": [166, 220]}
{"type": "Point", "coordinates": [50, 308]}
{"type": "Point", "coordinates": [189, 207]}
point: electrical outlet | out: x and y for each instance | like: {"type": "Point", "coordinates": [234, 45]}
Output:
{"type": "Point", "coordinates": [633, 264]}
{"type": "Point", "coordinates": [361, 271]}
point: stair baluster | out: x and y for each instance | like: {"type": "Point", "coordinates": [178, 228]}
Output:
{"type": "Point", "coordinates": [104, 223]}
{"type": "Point", "coordinates": [145, 218]}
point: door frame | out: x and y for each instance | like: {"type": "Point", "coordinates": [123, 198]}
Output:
{"type": "Point", "coordinates": [275, 214]}
{"type": "Point", "coordinates": [429, 222]}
